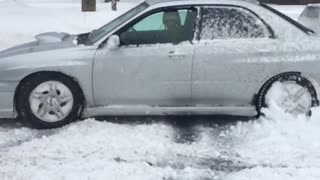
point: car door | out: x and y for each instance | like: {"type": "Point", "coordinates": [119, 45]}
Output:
{"type": "Point", "coordinates": [232, 58]}
{"type": "Point", "coordinates": [151, 66]}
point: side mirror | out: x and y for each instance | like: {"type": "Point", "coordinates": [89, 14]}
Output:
{"type": "Point", "coordinates": [113, 42]}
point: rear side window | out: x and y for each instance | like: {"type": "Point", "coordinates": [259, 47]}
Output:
{"type": "Point", "coordinates": [230, 23]}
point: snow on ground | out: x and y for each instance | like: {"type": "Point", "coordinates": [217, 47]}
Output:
{"type": "Point", "coordinates": [102, 150]}
{"type": "Point", "coordinates": [283, 146]}
{"type": "Point", "coordinates": [277, 147]}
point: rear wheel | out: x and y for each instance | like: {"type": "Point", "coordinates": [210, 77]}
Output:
{"type": "Point", "coordinates": [49, 100]}
{"type": "Point", "coordinates": [291, 92]}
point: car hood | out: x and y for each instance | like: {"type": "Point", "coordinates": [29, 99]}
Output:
{"type": "Point", "coordinates": [44, 42]}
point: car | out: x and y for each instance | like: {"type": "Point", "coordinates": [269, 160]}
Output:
{"type": "Point", "coordinates": [164, 57]}
{"type": "Point", "coordinates": [310, 17]}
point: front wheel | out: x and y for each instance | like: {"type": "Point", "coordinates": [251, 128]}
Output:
{"type": "Point", "coordinates": [49, 101]}
{"type": "Point", "coordinates": [291, 92]}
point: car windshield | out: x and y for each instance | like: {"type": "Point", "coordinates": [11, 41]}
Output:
{"type": "Point", "coordinates": [290, 20]}
{"type": "Point", "coordinates": [97, 34]}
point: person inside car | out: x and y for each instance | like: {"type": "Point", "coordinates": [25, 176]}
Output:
{"type": "Point", "coordinates": [172, 23]}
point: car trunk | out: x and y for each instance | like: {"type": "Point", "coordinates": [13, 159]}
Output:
{"type": "Point", "coordinates": [310, 18]}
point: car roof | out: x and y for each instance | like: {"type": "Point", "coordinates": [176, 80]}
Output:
{"type": "Point", "coordinates": [314, 5]}
{"type": "Point", "coordinates": [153, 2]}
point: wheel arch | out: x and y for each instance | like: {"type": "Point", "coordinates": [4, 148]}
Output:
{"type": "Point", "coordinates": [307, 76]}
{"type": "Point", "coordinates": [29, 76]}
{"type": "Point", "coordinates": [270, 79]}
{"type": "Point", "coordinates": [313, 81]}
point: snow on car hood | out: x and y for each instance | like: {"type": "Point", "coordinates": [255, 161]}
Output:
{"type": "Point", "coordinates": [45, 42]}
{"type": "Point", "coordinates": [51, 37]}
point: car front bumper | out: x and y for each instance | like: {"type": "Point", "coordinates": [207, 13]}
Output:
{"type": "Point", "coordinates": [7, 91]}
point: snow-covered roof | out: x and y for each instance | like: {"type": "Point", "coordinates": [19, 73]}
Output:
{"type": "Point", "coordinates": [151, 2]}
{"type": "Point", "coordinates": [314, 5]}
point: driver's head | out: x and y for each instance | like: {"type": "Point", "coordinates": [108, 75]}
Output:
{"type": "Point", "coordinates": [171, 19]}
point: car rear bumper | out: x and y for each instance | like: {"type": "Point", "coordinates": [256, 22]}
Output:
{"type": "Point", "coordinates": [7, 91]}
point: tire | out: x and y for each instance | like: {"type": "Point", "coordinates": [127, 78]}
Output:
{"type": "Point", "coordinates": [291, 77]}
{"type": "Point", "coordinates": [49, 100]}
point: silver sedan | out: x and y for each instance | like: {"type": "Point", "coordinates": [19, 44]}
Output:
{"type": "Point", "coordinates": [164, 57]}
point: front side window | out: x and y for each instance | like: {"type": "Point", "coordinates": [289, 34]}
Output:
{"type": "Point", "coordinates": [172, 26]}
{"type": "Point", "coordinates": [230, 23]}
{"type": "Point", "coordinates": [96, 35]}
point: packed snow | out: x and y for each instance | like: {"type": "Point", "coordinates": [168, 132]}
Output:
{"type": "Point", "coordinates": [278, 146]}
